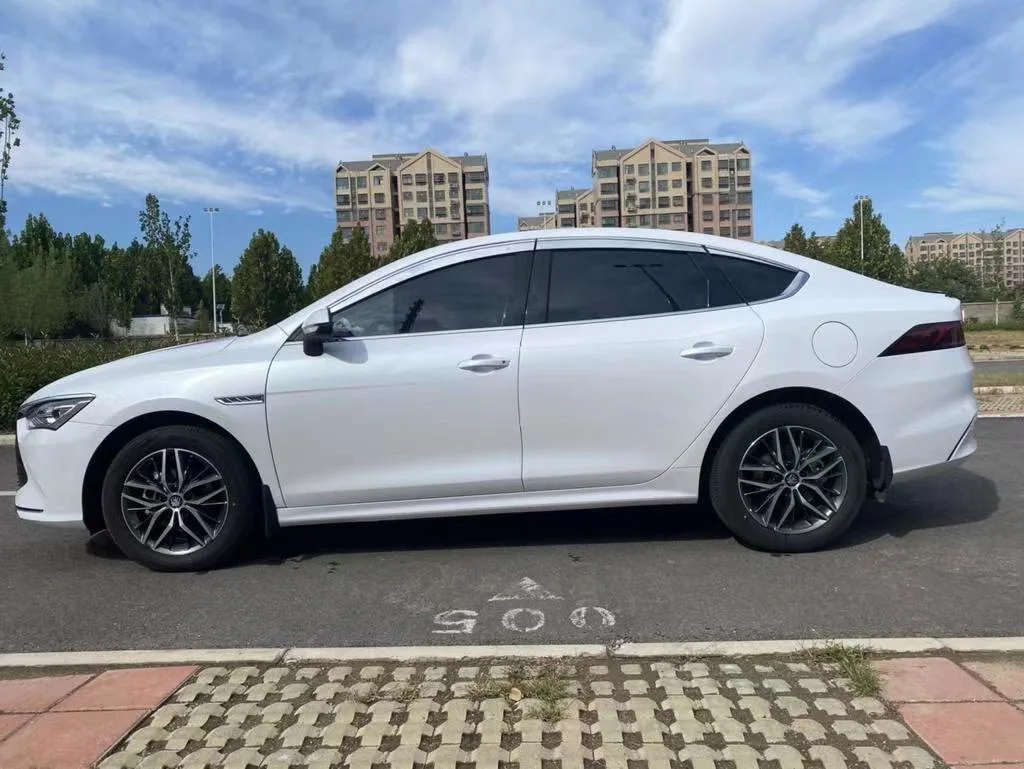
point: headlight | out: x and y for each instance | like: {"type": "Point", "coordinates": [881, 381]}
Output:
{"type": "Point", "coordinates": [51, 413]}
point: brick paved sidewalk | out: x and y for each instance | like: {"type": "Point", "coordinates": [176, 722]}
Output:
{"type": "Point", "coordinates": [582, 714]}
{"type": "Point", "coordinates": [999, 403]}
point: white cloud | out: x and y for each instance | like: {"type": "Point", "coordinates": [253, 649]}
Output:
{"type": "Point", "coordinates": [785, 184]}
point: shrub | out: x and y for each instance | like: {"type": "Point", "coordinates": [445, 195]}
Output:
{"type": "Point", "coordinates": [24, 369]}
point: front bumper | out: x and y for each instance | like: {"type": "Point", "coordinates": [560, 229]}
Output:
{"type": "Point", "coordinates": [52, 471]}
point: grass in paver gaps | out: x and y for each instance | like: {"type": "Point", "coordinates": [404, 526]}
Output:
{"type": "Point", "coordinates": [543, 682]}
{"type": "Point", "coordinates": [853, 662]}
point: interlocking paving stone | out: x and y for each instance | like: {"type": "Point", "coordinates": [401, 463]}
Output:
{"type": "Point", "coordinates": [657, 715]}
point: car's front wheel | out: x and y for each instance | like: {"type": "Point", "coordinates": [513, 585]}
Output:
{"type": "Point", "coordinates": [179, 498]}
{"type": "Point", "coordinates": [788, 478]}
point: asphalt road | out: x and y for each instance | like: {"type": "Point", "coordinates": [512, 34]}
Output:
{"type": "Point", "coordinates": [993, 366]}
{"type": "Point", "coordinates": [944, 556]}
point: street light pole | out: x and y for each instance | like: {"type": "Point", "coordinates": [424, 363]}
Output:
{"type": "Point", "coordinates": [211, 210]}
{"type": "Point", "coordinates": [860, 206]}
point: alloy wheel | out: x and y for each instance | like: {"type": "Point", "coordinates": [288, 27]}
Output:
{"type": "Point", "coordinates": [174, 501]}
{"type": "Point", "coordinates": [792, 479]}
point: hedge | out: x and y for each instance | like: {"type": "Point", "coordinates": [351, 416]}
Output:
{"type": "Point", "coordinates": [24, 369]}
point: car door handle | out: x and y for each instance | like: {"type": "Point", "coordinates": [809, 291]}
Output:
{"type": "Point", "coordinates": [707, 351]}
{"type": "Point", "coordinates": [484, 363]}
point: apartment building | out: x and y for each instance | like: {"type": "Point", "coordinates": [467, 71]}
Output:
{"type": "Point", "coordinates": [679, 184]}
{"type": "Point", "coordinates": [543, 221]}
{"type": "Point", "coordinates": [971, 248]}
{"type": "Point", "coordinates": [383, 193]}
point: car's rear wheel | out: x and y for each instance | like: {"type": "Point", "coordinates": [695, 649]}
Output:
{"type": "Point", "coordinates": [179, 498]}
{"type": "Point", "coordinates": [788, 478]}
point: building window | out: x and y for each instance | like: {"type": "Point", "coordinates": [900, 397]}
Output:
{"type": "Point", "coordinates": [706, 182]}
{"type": "Point", "coordinates": [475, 210]}
{"type": "Point", "coordinates": [363, 199]}
{"type": "Point", "coordinates": [707, 199]}
{"type": "Point", "coordinates": [379, 229]}
{"type": "Point", "coordinates": [705, 165]}
{"type": "Point", "coordinates": [378, 180]}
{"type": "Point", "coordinates": [477, 177]}
{"type": "Point", "coordinates": [743, 164]}
{"type": "Point", "coordinates": [662, 185]}
{"type": "Point", "coordinates": [421, 196]}
{"type": "Point", "coordinates": [743, 181]}
{"type": "Point", "coordinates": [364, 214]}
{"type": "Point", "coordinates": [723, 182]}
{"type": "Point", "coordinates": [743, 214]}
{"type": "Point", "coordinates": [708, 230]}
{"type": "Point", "coordinates": [606, 172]}
{"type": "Point", "coordinates": [745, 197]}
{"type": "Point", "coordinates": [421, 213]}
{"type": "Point", "coordinates": [406, 178]}
{"type": "Point", "coordinates": [407, 213]}
{"type": "Point", "coordinates": [644, 169]}
{"type": "Point", "coordinates": [724, 197]}
{"type": "Point", "coordinates": [341, 183]}
{"type": "Point", "coordinates": [609, 221]}
{"type": "Point", "coordinates": [439, 196]}
{"type": "Point", "coordinates": [361, 182]}
{"type": "Point", "coordinates": [645, 220]}
{"type": "Point", "coordinates": [346, 232]}
{"type": "Point", "coordinates": [566, 221]}
{"type": "Point", "coordinates": [663, 201]}
{"type": "Point", "coordinates": [344, 216]}
{"type": "Point", "coordinates": [378, 197]}
{"type": "Point", "coordinates": [661, 169]}
{"type": "Point", "coordinates": [677, 166]}
{"type": "Point", "coordinates": [344, 200]}
{"type": "Point", "coordinates": [441, 229]}
{"type": "Point", "coordinates": [723, 165]}
{"type": "Point", "coordinates": [664, 218]}
{"type": "Point", "coordinates": [677, 200]}
{"type": "Point", "coordinates": [677, 184]}
{"type": "Point", "coordinates": [644, 203]}
{"type": "Point", "coordinates": [631, 221]}
{"type": "Point", "coordinates": [456, 209]}
{"type": "Point", "coordinates": [725, 232]}
{"type": "Point", "coordinates": [456, 230]}
{"type": "Point", "coordinates": [441, 212]}
{"type": "Point", "coordinates": [708, 216]}
{"type": "Point", "coordinates": [628, 169]}
{"type": "Point", "coordinates": [677, 218]}
{"type": "Point", "coordinates": [421, 179]}
{"type": "Point", "coordinates": [609, 204]}
{"type": "Point", "coordinates": [453, 193]}
{"type": "Point", "coordinates": [744, 232]}
{"type": "Point", "coordinates": [453, 178]}
{"type": "Point", "coordinates": [474, 193]}
{"type": "Point", "coordinates": [609, 188]}
{"type": "Point", "coordinates": [585, 218]}
{"type": "Point", "coordinates": [380, 214]}
{"type": "Point", "coordinates": [566, 208]}
{"type": "Point", "coordinates": [475, 227]}
{"type": "Point", "coordinates": [438, 178]}
{"type": "Point", "coordinates": [645, 187]}
{"type": "Point", "coordinates": [725, 216]}
{"type": "Point", "coordinates": [406, 194]}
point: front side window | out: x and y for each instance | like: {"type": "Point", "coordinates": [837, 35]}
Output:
{"type": "Point", "coordinates": [479, 294]}
{"type": "Point", "coordinates": [597, 284]}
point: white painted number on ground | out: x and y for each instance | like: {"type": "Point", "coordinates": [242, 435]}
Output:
{"type": "Point", "coordinates": [604, 617]}
{"type": "Point", "coordinates": [456, 621]}
{"type": "Point", "coordinates": [523, 620]}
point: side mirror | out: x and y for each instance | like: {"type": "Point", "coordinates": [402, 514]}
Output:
{"type": "Point", "coordinates": [316, 330]}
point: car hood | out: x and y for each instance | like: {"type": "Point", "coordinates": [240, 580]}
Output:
{"type": "Point", "coordinates": [169, 360]}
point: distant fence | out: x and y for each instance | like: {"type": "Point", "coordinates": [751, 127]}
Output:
{"type": "Point", "coordinates": [988, 312]}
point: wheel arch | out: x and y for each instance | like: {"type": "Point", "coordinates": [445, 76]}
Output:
{"type": "Point", "coordinates": [92, 485]}
{"type": "Point", "coordinates": [875, 454]}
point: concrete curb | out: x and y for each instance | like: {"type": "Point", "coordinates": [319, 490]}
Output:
{"type": "Point", "coordinates": [1001, 415]}
{"type": "Point", "coordinates": [6, 439]}
{"type": "Point", "coordinates": [296, 655]}
{"type": "Point", "coordinates": [999, 390]}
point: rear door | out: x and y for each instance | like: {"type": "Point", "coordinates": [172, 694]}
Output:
{"type": "Point", "coordinates": [630, 349]}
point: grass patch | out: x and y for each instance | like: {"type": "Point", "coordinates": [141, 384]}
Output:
{"type": "Point", "coordinates": [853, 663]}
{"type": "Point", "coordinates": [542, 682]}
{"type": "Point", "coordinates": [992, 378]}
{"type": "Point", "coordinates": [995, 338]}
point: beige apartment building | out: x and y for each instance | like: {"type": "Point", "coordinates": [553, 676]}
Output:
{"type": "Point", "coordinates": [680, 184]}
{"type": "Point", "coordinates": [542, 221]}
{"type": "Point", "coordinates": [983, 254]}
{"type": "Point", "coordinates": [383, 193]}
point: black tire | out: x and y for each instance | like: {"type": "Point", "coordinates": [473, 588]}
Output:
{"type": "Point", "coordinates": [241, 507]}
{"type": "Point", "coordinates": [724, 490]}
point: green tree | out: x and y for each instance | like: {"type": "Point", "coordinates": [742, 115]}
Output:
{"type": "Point", "coordinates": [9, 125]}
{"type": "Point", "coordinates": [267, 283]}
{"type": "Point", "coordinates": [795, 241]}
{"type": "Point", "coordinates": [993, 261]}
{"type": "Point", "coordinates": [169, 246]}
{"type": "Point", "coordinates": [34, 301]}
{"type": "Point", "coordinates": [223, 294]}
{"type": "Point", "coordinates": [122, 281]}
{"type": "Point", "coordinates": [414, 237]}
{"type": "Point", "coordinates": [340, 263]}
{"type": "Point", "coordinates": [882, 259]}
{"type": "Point", "coordinates": [947, 276]}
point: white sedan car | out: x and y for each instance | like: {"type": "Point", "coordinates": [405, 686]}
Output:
{"type": "Point", "coordinates": [538, 371]}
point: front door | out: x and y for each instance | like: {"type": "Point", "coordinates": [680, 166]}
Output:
{"type": "Point", "coordinates": [633, 352]}
{"type": "Point", "coordinates": [419, 401]}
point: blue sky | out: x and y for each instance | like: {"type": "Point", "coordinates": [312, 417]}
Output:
{"type": "Point", "coordinates": [248, 104]}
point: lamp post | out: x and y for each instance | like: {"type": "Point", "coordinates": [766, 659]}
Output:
{"type": "Point", "coordinates": [860, 206]}
{"type": "Point", "coordinates": [211, 210]}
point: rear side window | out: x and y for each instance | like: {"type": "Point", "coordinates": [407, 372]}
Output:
{"type": "Point", "coordinates": [755, 281]}
{"type": "Point", "coordinates": [595, 284]}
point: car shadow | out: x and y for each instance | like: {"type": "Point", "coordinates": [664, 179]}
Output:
{"type": "Point", "coordinates": [956, 498]}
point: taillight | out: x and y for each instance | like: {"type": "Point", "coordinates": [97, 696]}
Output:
{"type": "Point", "coordinates": [926, 337]}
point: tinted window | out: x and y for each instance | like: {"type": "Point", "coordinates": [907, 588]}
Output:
{"type": "Point", "coordinates": [755, 281]}
{"type": "Point", "coordinates": [590, 284]}
{"type": "Point", "coordinates": [483, 293]}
